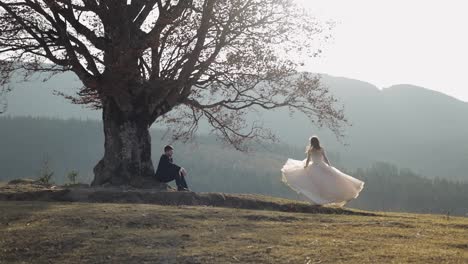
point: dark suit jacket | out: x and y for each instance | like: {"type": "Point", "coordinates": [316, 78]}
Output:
{"type": "Point", "coordinates": [166, 168]}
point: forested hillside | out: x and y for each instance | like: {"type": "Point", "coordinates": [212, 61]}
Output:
{"type": "Point", "coordinates": [403, 124]}
{"type": "Point", "coordinates": [26, 143]}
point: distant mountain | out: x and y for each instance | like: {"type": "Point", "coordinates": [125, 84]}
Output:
{"type": "Point", "coordinates": [410, 126]}
{"type": "Point", "coordinates": [406, 125]}
{"type": "Point", "coordinates": [36, 98]}
{"type": "Point", "coordinates": [25, 143]}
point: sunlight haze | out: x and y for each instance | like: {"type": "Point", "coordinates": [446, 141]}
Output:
{"type": "Point", "coordinates": [396, 42]}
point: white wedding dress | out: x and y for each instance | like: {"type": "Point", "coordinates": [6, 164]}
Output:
{"type": "Point", "coordinates": [320, 183]}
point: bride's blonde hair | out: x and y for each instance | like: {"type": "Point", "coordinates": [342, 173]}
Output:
{"type": "Point", "coordinates": [314, 144]}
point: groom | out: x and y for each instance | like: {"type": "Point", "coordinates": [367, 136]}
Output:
{"type": "Point", "coordinates": [167, 171]}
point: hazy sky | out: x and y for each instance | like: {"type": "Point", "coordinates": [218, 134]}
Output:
{"type": "Point", "coordinates": [385, 42]}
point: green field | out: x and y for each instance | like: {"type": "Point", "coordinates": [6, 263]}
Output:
{"type": "Point", "coordinates": [46, 232]}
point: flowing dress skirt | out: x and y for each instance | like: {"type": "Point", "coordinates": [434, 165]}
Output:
{"type": "Point", "coordinates": [320, 183]}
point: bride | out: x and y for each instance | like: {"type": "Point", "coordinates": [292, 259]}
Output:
{"type": "Point", "coordinates": [319, 182]}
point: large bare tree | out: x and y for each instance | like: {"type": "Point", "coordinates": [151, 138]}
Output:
{"type": "Point", "coordinates": [177, 61]}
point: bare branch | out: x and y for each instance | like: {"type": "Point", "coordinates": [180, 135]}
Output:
{"type": "Point", "coordinates": [182, 62]}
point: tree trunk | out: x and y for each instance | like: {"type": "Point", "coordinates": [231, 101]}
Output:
{"type": "Point", "coordinates": [127, 149]}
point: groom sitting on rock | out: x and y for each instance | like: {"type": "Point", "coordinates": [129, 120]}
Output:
{"type": "Point", "coordinates": [167, 171]}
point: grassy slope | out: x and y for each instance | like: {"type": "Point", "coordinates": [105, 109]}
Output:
{"type": "Point", "coordinates": [39, 232]}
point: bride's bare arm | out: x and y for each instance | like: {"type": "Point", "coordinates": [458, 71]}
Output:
{"type": "Point", "coordinates": [325, 158]}
{"type": "Point", "coordinates": [308, 159]}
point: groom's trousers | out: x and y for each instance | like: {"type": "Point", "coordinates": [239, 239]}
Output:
{"type": "Point", "coordinates": [179, 179]}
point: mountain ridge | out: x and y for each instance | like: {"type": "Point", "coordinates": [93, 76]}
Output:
{"type": "Point", "coordinates": [421, 89]}
{"type": "Point", "coordinates": [400, 124]}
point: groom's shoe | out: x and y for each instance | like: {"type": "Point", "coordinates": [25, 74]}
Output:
{"type": "Point", "coordinates": [182, 189]}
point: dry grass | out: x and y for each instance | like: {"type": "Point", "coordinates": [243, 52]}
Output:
{"type": "Point", "coordinates": [41, 232]}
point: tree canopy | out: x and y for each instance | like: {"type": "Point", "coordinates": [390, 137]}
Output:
{"type": "Point", "coordinates": [212, 60]}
